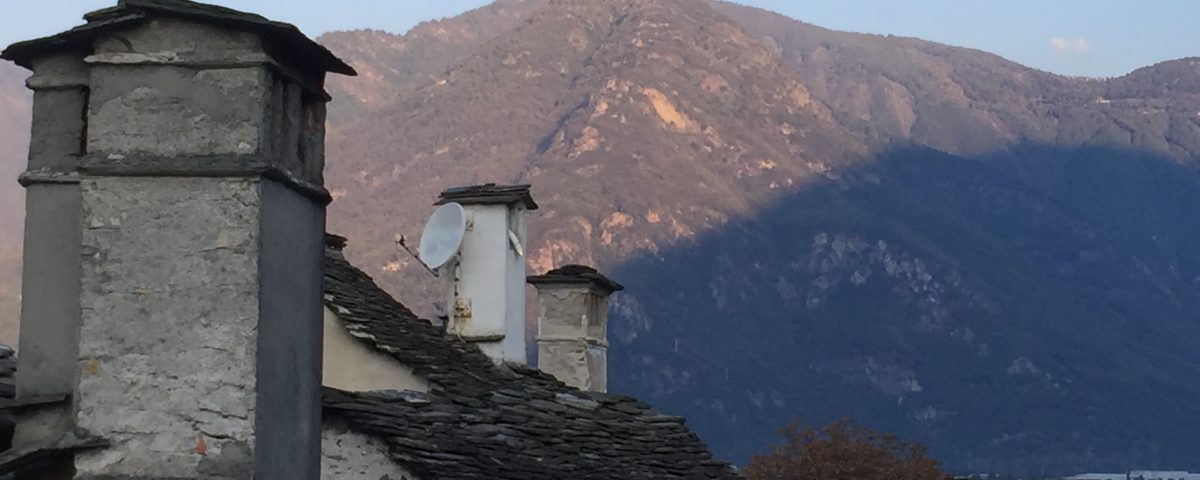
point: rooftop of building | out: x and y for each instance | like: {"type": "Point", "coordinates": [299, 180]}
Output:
{"type": "Point", "coordinates": [285, 39]}
{"type": "Point", "coordinates": [482, 420]}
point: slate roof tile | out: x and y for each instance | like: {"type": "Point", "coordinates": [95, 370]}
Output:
{"type": "Point", "coordinates": [578, 274]}
{"type": "Point", "coordinates": [482, 420]}
{"type": "Point", "coordinates": [290, 41]}
{"type": "Point", "coordinates": [489, 194]}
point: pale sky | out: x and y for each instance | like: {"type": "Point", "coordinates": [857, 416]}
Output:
{"type": "Point", "coordinates": [1073, 37]}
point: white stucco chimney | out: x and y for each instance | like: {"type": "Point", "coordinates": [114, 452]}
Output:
{"type": "Point", "coordinates": [485, 283]}
{"type": "Point", "coordinates": [572, 332]}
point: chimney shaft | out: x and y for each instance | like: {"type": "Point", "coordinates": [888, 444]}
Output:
{"type": "Point", "coordinates": [573, 325]}
{"type": "Point", "coordinates": [484, 286]}
{"type": "Point", "coordinates": [175, 224]}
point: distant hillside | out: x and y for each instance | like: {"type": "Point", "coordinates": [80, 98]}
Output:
{"type": "Point", "coordinates": [390, 64]}
{"type": "Point", "coordinates": [14, 143]}
{"type": "Point", "coordinates": [816, 260]}
{"type": "Point", "coordinates": [966, 101]}
{"type": "Point", "coordinates": [812, 224]}
{"type": "Point", "coordinates": [572, 117]}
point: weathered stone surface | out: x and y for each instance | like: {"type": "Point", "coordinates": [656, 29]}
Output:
{"type": "Point", "coordinates": [284, 119]}
{"type": "Point", "coordinates": [170, 311]}
{"type": "Point", "coordinates": [60, 70]}
{"type": "Point", "coordinates": [573, 325]}
{"type": "Point", "coordinates": [312, 142]}
{"type": "Point", "coordinates": [57, 137]}
{"type": "Point", "coordinates": [179, 42]}
{"type": "Point", "coordinates": [50, 300]}
{"type": "Point", "coordinates": [349, 455]}
{"type": "Point", "coordinates": [172, 111]}
{"type": "Point", "coordinates": [50, 303]}
{"type": "Point", "coordinates": [59, 112]}
{"type": "Point", "coordinates": [567, 360]}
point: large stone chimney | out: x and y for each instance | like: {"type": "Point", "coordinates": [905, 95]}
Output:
{"type": "Point", "coordinates": [572, 336]}
{"type": "Point", "coordinates": [485, 283]}
{"type": "Point", "coordinates": [171, 323]}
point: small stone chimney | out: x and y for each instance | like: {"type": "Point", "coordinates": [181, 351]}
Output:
{"type": "Point", "coordinates": [172, 314]}
{"type": "Point", "coordinates": [485, 283]}
{"type": "Point", "coordinates": [572, 336]}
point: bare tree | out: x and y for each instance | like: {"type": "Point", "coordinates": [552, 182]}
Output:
{"type": "Point", "coordinates": [843, 451]}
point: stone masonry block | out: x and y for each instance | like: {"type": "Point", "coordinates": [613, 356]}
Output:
{"type": "Point", "coordinates": [176, 111]}
{"type": "Point", "coordinates": [163, 364]}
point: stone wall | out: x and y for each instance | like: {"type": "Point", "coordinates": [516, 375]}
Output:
{"type": "Point", "coordinates": [346, 455]}
{"type": "Point", "coordinates": [50, 277]}
{"type": "Point", "coordinates": [572, 335]}
{"type": "Point", "coordinates": [170, 315]}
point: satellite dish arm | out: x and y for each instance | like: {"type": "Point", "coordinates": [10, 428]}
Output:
{"type": "Point", "coordinates": [403, 244]}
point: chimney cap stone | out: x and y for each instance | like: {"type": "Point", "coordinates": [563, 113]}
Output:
{"type": "Point", "coordinates": [489, 194]}
{"type": "Point", "coordinates": [576, 275]}
{"type": "Point", "coordinates": [289, 40]}
{"type": "Point", "coordinates": [335, 242]}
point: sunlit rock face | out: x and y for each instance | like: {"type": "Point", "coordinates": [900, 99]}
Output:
{"type": "Point", "coordinates": [751, 179]}
{"type": "Point", "coordinates": [746, 176]}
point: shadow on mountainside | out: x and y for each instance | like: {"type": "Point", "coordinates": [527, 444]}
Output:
{"type": "Point", "coordinates": [1034, 311]}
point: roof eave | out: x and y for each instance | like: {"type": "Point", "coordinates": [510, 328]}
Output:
{"type": "Point", "coordinates": [575, 275]}
{"type": "Point", "coordinates": [127, 11]}
{"type": "Point", "coordinates": [23, 53]}
{"type": "Point", "coordinates": [286, 32]}
{"type": "Point", "coordinates": [489, 194]}
{"type": "Point", "coordinates": [602, 283]}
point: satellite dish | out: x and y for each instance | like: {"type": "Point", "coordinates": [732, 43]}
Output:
{"type": "Point", "coordinates": [443, 235]}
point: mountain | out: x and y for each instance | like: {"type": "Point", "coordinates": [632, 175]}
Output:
{"type": "Point", "coordinates": [556, 113]}
{"type": "Point", "coordinates": [14, 143]}
{"type": "Point", "coordinates": [392, 64]}
{"type": "Point", "coordinates": [966, 101]}
{"type": "Point", "coordinates": [812, 224]}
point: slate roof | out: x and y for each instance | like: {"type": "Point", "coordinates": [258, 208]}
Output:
{"type": "Point", "coordinates": [8, 390]}
{"type": "Point", "coordinates": [576, 274]}
{"type": "Point", "coordinates": [287, 40]}
{"type": "Point", "coordinates": [489, 194]}
{"type": "Point", "coordinates": [483, 421]}
{"type": "Point", "coordinates": [8, 371]}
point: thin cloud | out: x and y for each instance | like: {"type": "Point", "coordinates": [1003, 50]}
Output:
{"type": "Point", "coordinates": [1069, 45]}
